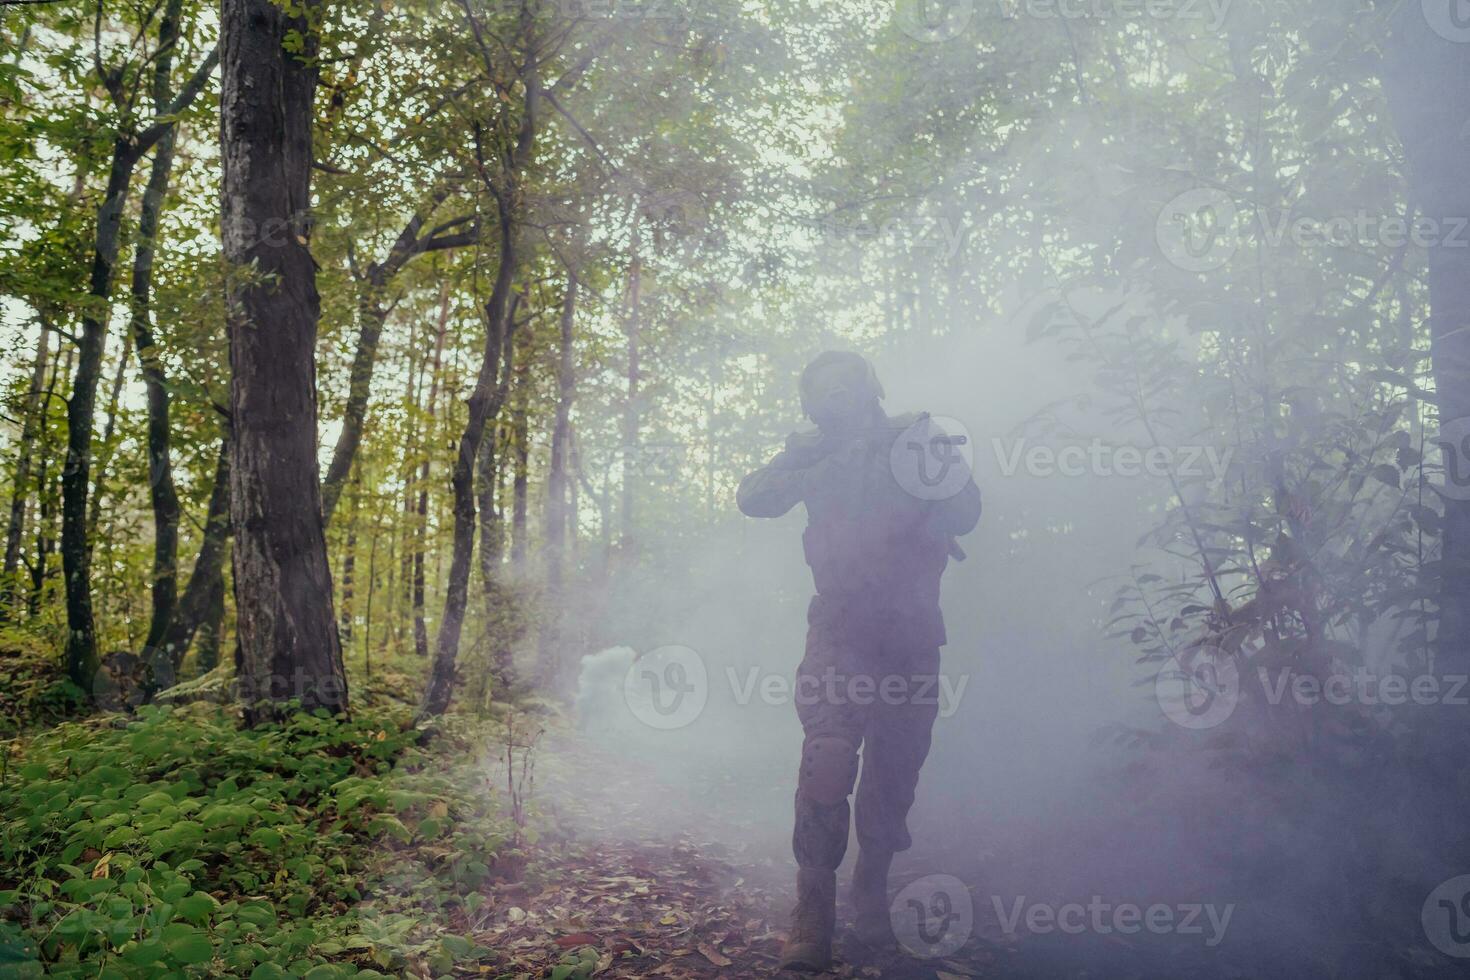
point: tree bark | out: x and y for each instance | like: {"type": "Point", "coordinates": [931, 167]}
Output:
{"type": "Point", "coordinates": [288, 646]}
{"type": "Point", "coordinates": [21, 491]}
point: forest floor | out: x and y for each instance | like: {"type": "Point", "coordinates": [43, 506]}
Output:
{"type": "Point", "coordinates": [644, 882]}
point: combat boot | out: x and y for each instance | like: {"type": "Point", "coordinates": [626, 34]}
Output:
{"type": "Point", "coordinates": [872, 924]}
{"type": "Point", "coordinates": [809, 948]}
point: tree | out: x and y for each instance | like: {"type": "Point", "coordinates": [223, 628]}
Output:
{"type": "Point", "coordinates": [130, 141]}
{"type": "Point", "coordinates": [288, 646]}
{"type": "Point", "coordinates": [1421, 69]}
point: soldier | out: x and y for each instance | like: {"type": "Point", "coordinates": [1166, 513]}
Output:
{"type": "Point", "coordinates": [877, 541]}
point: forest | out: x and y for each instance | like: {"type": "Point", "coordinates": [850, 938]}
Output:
{"type": "Point", "coordinates": [382, 383]}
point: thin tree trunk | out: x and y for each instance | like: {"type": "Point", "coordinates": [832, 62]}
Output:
{"type": "Point", "coordinates": [76, 475]}
{"type": "Point", "coordinates": [1420, 69]}
{"type": "Point", "coordinates": [421, 525]}
{"type": "Point", "coordinates": [195, 609]}
{"type": "Point", "coordinates": [349, 560]}
{"type": "Point", "coordinates": [502, 630]}
{"type": "Point", "coordinates": [288, 646]}
{"type": "Point", "coordinates": [21, 490]}
{"type": "Point", "coordinates": [371, 315]}
{"type": "Point", "coordinates": [489, 394]}
{"type": "Point", "coordinates": [574, 494]}
{"type": "Point", "coordinates": [520, 433]}
{"type": "Point", "coordinates": [45, 540]}
{"type": "Point", "coordinates": [109, 429]}
{"type": "Point", "coordinates": [212, 629]}
{"type": "Point", "coordinates": [127, 148]}
{"type": "Point", "coordinates": [632, 418]}
{"type": "Point", "coordinates": [162, 495]}
{"type": "Point", "coordinates": [549, 652]}
{"type": "Point", "coordinates": [484, 405]}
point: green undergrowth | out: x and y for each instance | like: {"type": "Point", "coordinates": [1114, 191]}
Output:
{"type": "Point", "coordinates": [34, 690]}
{"type": "Point", "coordinates": [176, 843]}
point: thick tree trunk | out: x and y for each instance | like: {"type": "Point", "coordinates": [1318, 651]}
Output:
{"type": "Point", "coordinates": [21, 490]}
{"type": "Point", "coordinates": [549, 645]}
{"type": "Point", "coordinates": [288, 646]}
{"type": "Point", "coordinates": [1421, 69]}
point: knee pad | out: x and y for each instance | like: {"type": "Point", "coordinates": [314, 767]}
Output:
{"type": "Point", "coordinates": [829, 765]}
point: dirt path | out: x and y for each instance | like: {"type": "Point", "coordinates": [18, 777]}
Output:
{"type": "Point", "coordinates": [643, 878]}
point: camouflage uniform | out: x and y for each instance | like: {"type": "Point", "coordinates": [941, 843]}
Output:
{"type": "Point", "coordinates": [877, 553]}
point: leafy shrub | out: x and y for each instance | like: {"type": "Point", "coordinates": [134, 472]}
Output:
{"type": "Point", "coordinates": [178, 844]}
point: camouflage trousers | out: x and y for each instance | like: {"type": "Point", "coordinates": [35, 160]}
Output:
{"type": "Point", "coordinates": [869, 682]}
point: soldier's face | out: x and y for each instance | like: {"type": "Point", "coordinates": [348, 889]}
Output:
{"type": "Point", "coordinates": [839, 395]}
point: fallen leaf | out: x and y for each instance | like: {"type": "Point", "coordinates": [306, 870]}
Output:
{"type": "Point", "coordinates": [713, 955]}
{"type": "Point", "coordinates": [576, 939]}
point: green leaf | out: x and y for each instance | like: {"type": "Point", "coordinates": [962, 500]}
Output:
{"type": "Point", "coordinates": [187, 944]}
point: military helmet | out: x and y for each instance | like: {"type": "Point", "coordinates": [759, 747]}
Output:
{"type": "Point", "coordinates": [838, 357]}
